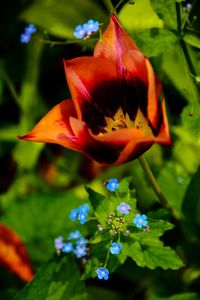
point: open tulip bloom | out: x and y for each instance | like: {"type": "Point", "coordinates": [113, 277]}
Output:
{"type": "Point", "coordinates": [117, 110]}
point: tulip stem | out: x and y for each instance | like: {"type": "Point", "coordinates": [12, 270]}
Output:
{"type": "Point", "coordinates": [156, 186]}
{"type": "Point", "coordinates": [109, 5]}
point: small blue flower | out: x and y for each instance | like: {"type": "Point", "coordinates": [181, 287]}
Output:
{"type": "Point", "coordinates": [83, 212]}
{"type": "Point", "coordinates": [84, 208]}
{"type": "Point", "coordinates": [30, 29]}
{"type": "Point", "coordinates": [73, 214]}
{"type": "Point", "coordinates": [91, 26]}
{"type": "Point", "coordinates": [82, 218]}
{"type": "Point", "coordinates": [112, 184]}
{"type": "Point", "coordinates": [140, 221]}
{"type": "Point", "coordinates": [58, 242]}
{"type": "Point", "coordinates": [80, 251]}
{"type": "Point", "coordinates": [82, 241]}
{"type": "Point", "coordinates": [79, 32]}
{"type": "Point", "coordinates": [67, 247]}
{"type": "Point", "coordinates": [25, 38]}
{"type": "Point", "coordinates": [102, 273]}
{"type": "Point", "coordinates": [124, 208]}
{"type": "Point", "coordinates": [74, 235]}
{"type": "Point", "coordinates": [115, 248]}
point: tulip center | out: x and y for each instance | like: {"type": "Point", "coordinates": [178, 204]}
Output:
{"type": "Point", "coordinates": [122, 121]}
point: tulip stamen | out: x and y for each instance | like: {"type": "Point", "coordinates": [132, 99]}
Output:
{"type": "Point", "coordinates": [121, 121]}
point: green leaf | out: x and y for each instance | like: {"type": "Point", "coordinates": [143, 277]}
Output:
{"type": "Point", "coordinates": [59, 279]}
{"type": "Point", "coordinates": [186, 150]}
{"type": "Point", "coordinates": [100, 236]}
{"type": "Point", "coordinates": [30, 151]}
{"type": "Point", "coordinates": [183, 296]}
{"type": "Point", "coordinates": [192, 39]}
{"type": "Point", "coordinates": [94, 197]}
{"type": "Point", "coordinates": [155, 41]}
{"type": "Point", "coordinates": [36, 213]}
{"type": "Point", "coordinates": [191, 123]}
{"type": "Point", "coordinates": [174, 67]}
{"type": "Point", "coordinates": [99, 293]}
{"type": "Point", "coordinates": [157, 255]}
{"type": "Point", "coordinates": [191, 203]}
{"type": "Point", "coordinates": [166, 11]}
{"type": "Point", "coordinates": [60, 17]}
{"type": "Point", "coordinates": [102, 206]}
{"type": "Point", "coordinates": [173, 180]}
{"type": "Point", "coordinates": [139, 16]}
{"type": "Point", "coordinates": [134, 251]}
{"type": "Point", "coordinates": [124, 186]}
{"type": "Point", "coordinates": [156, 229]}
{"type": "Point", "coordinates": [90, 268]}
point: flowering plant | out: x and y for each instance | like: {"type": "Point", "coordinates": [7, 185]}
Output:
{"type": "Point", "coordinates": [115, 113]}
{"type": "Point", "coordinates": [98, 225]}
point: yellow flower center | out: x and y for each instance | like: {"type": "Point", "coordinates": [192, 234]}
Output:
{"type": "Point", "coordinates": [121, 121]}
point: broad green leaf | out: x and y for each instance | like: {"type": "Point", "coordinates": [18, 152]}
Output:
{"type": "Point", "coordinates": [139, 16]}
{"type": "Point", "coordinates": [100, 236]}
{"type": "Point", "coordinates": [94, 197]}
{"type": "Point", "coordinates": [42, 217]}
{"type": "Point", "coordinates": [59, 279]}
{"type": "Point", "coordinates": [156, 229]}
{"type": "Point", "coordinates": [191, 203]}
{"type": "Point", "coordinates": [173, 181]}
{"type": "Point", "coordinates": [191, 122]}
{"type": "Point", "coordinates": [157, 255]}
{"type": "Point", "coordinates": [60, 17]}
{"type": "Point", "coordinates": [134, 251]}
{"type": "Point", "coordinates": [124, 186]}
{"type": "Point", "coordinates": [183, 296]}
{"type": "Point", "coordinates": [90, 268]}
{"type": "Point", "coordinates": [99, 293]}
{"type": "Point", "coordinates": [102, 206]}
{"type": "Point", "coordinates": [31, 152]}
{"type": "Point", "coordinates": [174, 66]}
{"type": "Point", "coordinates": [166, 11]}
{"type": "Point", "coordinates": [192, 39]}
{"type": "Point", "coordinates": [155, 41]}
{"type": "Point", "coordinates": [187, 148]}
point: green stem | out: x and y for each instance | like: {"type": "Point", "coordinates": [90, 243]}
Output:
{"type": "Point", "coordinates": [118, 4]}
{"type": "Point", "coordinates": [11, 87]}
{"type": "Point", "coordinates": [178, 15]}
{"type": "Point", "coordinates": [183, 44]}
{"type": "Point", "coordinates": [109, 6]}
{"type": "Point", "coordinates": [107, 256]}
{"type": "Point", "coordinates": [69, 42]}
{"type": "Point", "coordinates": [156, 186]}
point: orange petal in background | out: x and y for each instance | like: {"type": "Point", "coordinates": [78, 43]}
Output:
{"type": "Point", "coordinates": [13, 254]}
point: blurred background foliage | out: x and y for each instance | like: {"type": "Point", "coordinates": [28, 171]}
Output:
{"type": "Point", "coordinates": [40, 184]}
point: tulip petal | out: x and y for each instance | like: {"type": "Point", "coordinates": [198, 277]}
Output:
{"type": "Point", "coordinates": [153, 96]}
{"type": "Point", "coordinates": [134, 149]}
{"type": "Point", "coordinates": [94, 85]}
{"type": "Point", "coordinates": [164, 133]}
{"type": "Point", "coordinates": [55, 128]}
{"type": "Point", "coordinates": [92, 148]}
{"type": "Point", "coordinates": [120, 137]}
{"type": "Point", "coordinates": [116, 45]}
